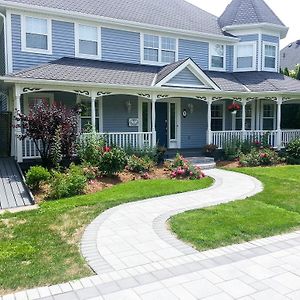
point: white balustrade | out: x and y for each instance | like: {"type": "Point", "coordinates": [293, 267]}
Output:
{"type": "Point", "coordinates": [289, 135]}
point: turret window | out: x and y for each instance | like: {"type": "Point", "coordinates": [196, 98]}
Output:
{"type": "Point", "coordinates": [270, 56]}
{"type": "Point", "coordinates": [245, 56]}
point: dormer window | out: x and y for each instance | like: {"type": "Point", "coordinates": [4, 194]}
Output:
{"type": "Point", "coordinates": [217, 57]}
{"type": "Point", "coordinates": [158, 49]}
{"type": "Point", "coordinates": [270, 56]}
{"type": "Point", "coordinates": [87, 41]}
{"type": "Point", "coordinates": [36, 35]}
{"type": "Point", "coordinates": [245, 56]}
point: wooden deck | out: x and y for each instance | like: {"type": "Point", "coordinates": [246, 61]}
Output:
{"type": "Point", "coordinates": [12, 190]}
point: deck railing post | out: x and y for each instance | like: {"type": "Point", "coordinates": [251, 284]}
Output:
{"type": "Point", "coordinates": [279, 132]}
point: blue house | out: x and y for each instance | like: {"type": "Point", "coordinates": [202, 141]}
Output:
{"type": "Point", "coordinates": [149, 72]}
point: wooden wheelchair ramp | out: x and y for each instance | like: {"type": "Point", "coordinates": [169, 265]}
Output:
{"type": "Point", "coordinates": [13, 192]}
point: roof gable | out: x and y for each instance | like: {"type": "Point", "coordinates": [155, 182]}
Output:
{"type": "Point", "coordinates": [242, 12]}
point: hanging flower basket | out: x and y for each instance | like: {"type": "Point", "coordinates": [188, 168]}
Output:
{"type": "Point", "coordinates": [234, 108]}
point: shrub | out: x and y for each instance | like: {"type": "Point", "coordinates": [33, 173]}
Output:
{"type": "Point", "coordinates": [210, 150]}
{"type": "Point", "coordinates": [36, 176]}
{"type": "Point", "coordinates": [232, 149]}
{"type": "Point", "coordinates": [89, 149]}
{"type": "Point", "coordinates": [139, 164]}
{"type": "Point", "coordinates": [70, 183]}
{"type": "Point", "coordinates": [142, 152]}
{"type": "Point", "coordinates": [293, 152]}
{"type": "Point", "coordinates": [182, 168]}
{"type": "Point", "coordinates": [112, 161]}
{"type": "Point", "coordinates": [260, 157]}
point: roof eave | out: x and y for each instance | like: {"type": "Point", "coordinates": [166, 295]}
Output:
{"type": "Point", "coordinates": [280, 28]}
{"type": "Point", "coordinates": [112, 21]}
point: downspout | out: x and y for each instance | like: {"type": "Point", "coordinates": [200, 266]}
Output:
{"type": "Point", "coordinates": [5, 42]}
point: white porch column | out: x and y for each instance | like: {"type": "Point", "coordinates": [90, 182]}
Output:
{"type": "Point", "coordinates": [153, 120]}
{"type": "Point", "coordinates": [279, 132]}
{"type": "Point", "coordinates": [209, 135]}
{"type": "Point", "coordinates": [18, 142]}
{"type": "Point", "coordinates": [93, 112]}
{"type": "Point", "coordinates": [244, 103]}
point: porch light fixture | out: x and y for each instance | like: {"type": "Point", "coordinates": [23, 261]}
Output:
{"type": "Point", "coordinates": [191, 107]}
{"type": "Point", "coordinates": [129, 106]}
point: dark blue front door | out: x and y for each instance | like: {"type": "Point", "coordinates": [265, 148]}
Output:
{"type": "Point", "coordinates": [162, 124]}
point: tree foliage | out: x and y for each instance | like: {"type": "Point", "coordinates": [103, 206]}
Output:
{"type": "Point", "coordinates": [44, 124]}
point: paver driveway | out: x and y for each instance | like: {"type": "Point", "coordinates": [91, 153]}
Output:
{"type": "Point", "coordinates": [135, 256]}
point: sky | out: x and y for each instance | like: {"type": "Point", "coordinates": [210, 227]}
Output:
{"type": "Point", "coordinates": [286, 10]}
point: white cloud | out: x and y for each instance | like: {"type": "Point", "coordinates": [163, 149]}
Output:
{"type": "Point", "coordinates": [287, 11]}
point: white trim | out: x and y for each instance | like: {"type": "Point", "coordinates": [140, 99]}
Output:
{"type": "Point", "coordinates": [195, 70]}
{"type": "Point", "coordinates": [5, 41]}
{"type": "Point", "coordinates": [106, 21]}
{"type": "Point", "coordinates": [264, 68]}
{"type": "Point", "coordinates": [260, 47]}
{"type": "Point", "coordinates": [223, 109]}
{"type": "Point", "coordinates": [210, 57]}
{"type": "Point", "coordinates": [234, 117]}
{"type": "Point", "coordinates": [262, 103]}
{"type": "Point", "coordinates": [100, 103]}
{"type": "Point", "coordinates": [39, 94]}
{"type": "Point", "coordinates": [159, 62]}
{"type": "Point", "coordinates": [24, 47]}
{"type": "Point", "coordinates": [76, 36]}
{"type": "Point", "coordinates": [235, 68]}
{"type": "Point", "coordinates": [9, 43]}
{"type": "Point", "coordinates": [140, 114]}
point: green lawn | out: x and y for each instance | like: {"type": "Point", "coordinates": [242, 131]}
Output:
{"type": "Point", "coordinates": [41, 247]}
{"type": "Point", "coordinates": [276, 210]}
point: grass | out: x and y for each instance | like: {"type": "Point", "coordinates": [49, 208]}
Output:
{"type": "Point", "coordinates": [41, 247]}
{"type": "Point", "coordinates": [274, 211]}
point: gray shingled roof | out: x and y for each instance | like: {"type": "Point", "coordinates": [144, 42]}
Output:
{"type": "Point", "coordinates": [248, 12]}
{"type": "Point", "coordinates": [110, 73]}
{"type": "Point", "coordinates": [177, 14]}
{"type": "Point", "coordinates": [166, 70]}
{"type": "Point", "coordinates": [290, 56]}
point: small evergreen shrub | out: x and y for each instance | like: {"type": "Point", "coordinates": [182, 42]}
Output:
{"type": "Point", "coordinates": [260, 157]}
{"type": "Point", "coordinates": [139, 164]}
{"type": "Point", "coordinates": [293, 152]}
{"type": "Point", "coordinates": [70, 183]}
{"type": "Point", "coordinates": [232, 149]}
{"type": "Point", "coordinates": [35, 176]}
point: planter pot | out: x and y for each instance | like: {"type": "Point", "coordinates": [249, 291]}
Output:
{"type": "Point", "coordinates": [234, 112]}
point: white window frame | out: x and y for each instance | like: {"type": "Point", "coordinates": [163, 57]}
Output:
{"type": "Point", "coordinates": [235, 118]}
{"type": "Point", "coordinates": [24, 47]}
{"type": "Point", "coordinates": [50, 96]}
{"type": "Point", "coordinates": [264, 55]}
{"type": "Point", "coordinates": [99, 102]}
{"type": "Point", "coordinates": [235, 68]}
{"type": "Point", "coordinates": [140, 113]}
{"type": "Point", "coordinates": [262, 115]}
{"type": "Point", "coordinates": [159, 62]}
{"type": "Point", "coordinates": [222, 104]}
{"type": "Point", "coordinates": [211, 45]}
{"type": "Point", "coordinates": [88, 56]}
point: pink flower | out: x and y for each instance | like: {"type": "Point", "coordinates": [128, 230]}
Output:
{"type": "Point", "coordinates": [106, 149]}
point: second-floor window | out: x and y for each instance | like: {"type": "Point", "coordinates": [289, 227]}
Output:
{"type": "Point", "coordinates": [87, 41]}
{"type": "Point", "coordinates": [217, 56]}
{"type": "Point", "coordinates": [159, 49]}
{"type": "Point", "coordinates": [245, 57]}
{"type": "Point", "coordinates": [36, 36]}
{"type": "Point", "coordinates": [270, 56]}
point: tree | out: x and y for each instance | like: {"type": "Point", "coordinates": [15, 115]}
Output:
{"type": "Point", "coordinates": [297, 72]}
{"type": "Point", "coordinates": [45, 124]}
{"type": "Point", "coordinates": [286, 71]}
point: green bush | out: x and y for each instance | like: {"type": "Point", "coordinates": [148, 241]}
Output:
{"type": "Point", "coordinates": [35, 176]}
{"type": "Point", "coordinates": [89, 149]}
{"type": "Point", "coordinates": [293, 152]}
{"type": "Point", "coordinates": [260, 157]}
{"type": "Point", "coordinates": [139, 164]}
{"type": "Point", "coordinates": [112, 161]}
{"type": "Point", "coordinates": [70, 183]}
{"type": "Point", "coordinates": [232, 149]}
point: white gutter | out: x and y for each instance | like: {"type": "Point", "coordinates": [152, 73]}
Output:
{"type": "Point", "coordinates": [112, 21]}
{"type": "Point", "coordinates": [5, 42]}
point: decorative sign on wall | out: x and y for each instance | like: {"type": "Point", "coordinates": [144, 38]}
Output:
{"type": "Point", "coordinates": [184, 113]}
{"type": "Point", "coordinates": [133, 122]}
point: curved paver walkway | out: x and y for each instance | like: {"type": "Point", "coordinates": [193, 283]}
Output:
{"type": "Point", "coordinates": [135, 256]}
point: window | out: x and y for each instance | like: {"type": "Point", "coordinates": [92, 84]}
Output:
{"type": "Point", "coordinates": [217, 56]}
{"type": "Point", "coordinates": [86, 116]}
{"type": "Point", "coordinates": [217, 112]}
{"type": "Point", "coordinates": [33, 100]}
{"type": "Point", "coordinates": [270, 56]}
{"type": "Point", "coordinates": [36, 35]}
{"type": "Point", "coordinates": [88, 41]}
{"type": "Point", "coordinates": [268, 116]}
{"type": "Point", "coordinates": [245, 56]}
{"type": "Point", "coordinates": [159, 49]}
{"type": "Point", "coordinates": [146, 118]}
{"type": "Point", "coordinates": [172, 121]}
{"type": "Point", "coordinates": [238, 118]}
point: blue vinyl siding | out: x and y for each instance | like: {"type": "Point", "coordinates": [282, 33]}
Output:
{"type": "Point", "coordinates": [185, 77]}
{"type": "Point", "coordinates": [198, 51]}
{"type": "Point", "coordinates": [120, 46]}
{"type": "Point", "coordinates": [229, 58]}
{"type": "Point", "coordinates": [63, 44]}
{"type": "Point", "coordinates": [116, 115]}
{"type": "Point", "coordinates": [194, 126]}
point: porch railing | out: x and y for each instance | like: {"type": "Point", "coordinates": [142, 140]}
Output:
{"type": "Point", "coordinates": [220, 138]}
{"type": "Point", "coordinates": [134, 140]}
